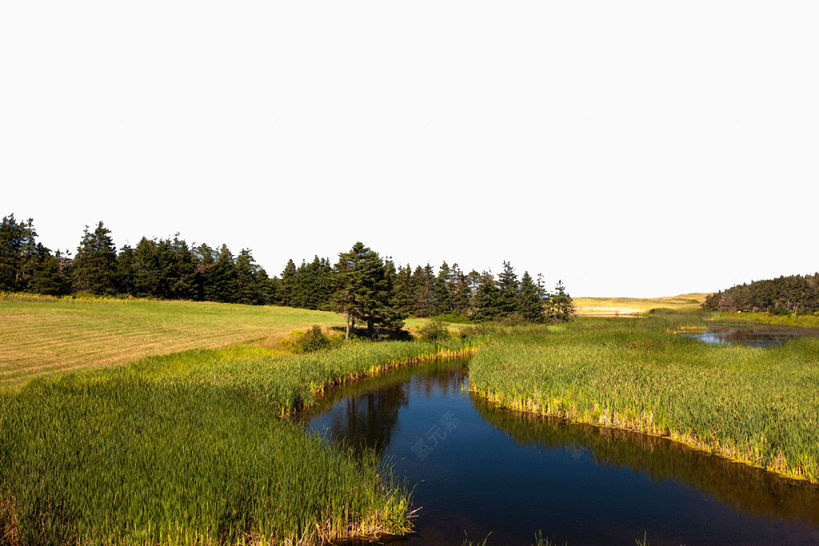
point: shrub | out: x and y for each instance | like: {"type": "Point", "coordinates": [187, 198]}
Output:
{"type": "Point", "coordinates": [313, 340]}
{"type": "Point", "coordinates": [434, 330]}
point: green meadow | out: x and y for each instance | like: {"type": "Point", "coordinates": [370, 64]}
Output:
{"type": "Point", "coordinates": [169, 422]}
{"type": "Point", "coordinates": [194, 448]}
{"type": "Point", "coordinates": [757, 406]}
{"type": "Point", "coordinates": [42, 335]}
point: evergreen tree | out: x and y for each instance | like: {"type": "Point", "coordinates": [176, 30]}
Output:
{"type": "Point", "coordinates": [247, 286]}
{"type": "Point", "coordinates": [364, 290]}
{"type": "Point", "coordinates": [18, 250]}
{"type": "Point", "coordinates": [126, 270]}
{"type": "Point", "coordinates": [205, 264]}
{"type": "Point", "coordinates": [530, 301]}
{"type": "Point", "coordinates": [404, 291]}
{"type": "Point", "coordinates": [31, 255]}
{"type": "Point", "coordinates": [561, 305]}
{"type": "Point", "coordinates": [507, 290]}
{"type": "Point", "coordinates": [440, 291]}
{"type": "Point", "coordinates": [94, 268]}
{"type": "Point", "coordinates": [11, 242]}
{"type": "Point", "coordinates": [223, 285]}
{"type": "Point", "coordinates": [424, 280]}
{"type": "Point", "coordinates": [485, 303]}
{"type": "Point", "coordinates": [460, 290]}
{"type": "Point", "coordinates": [287, 285]}
{"type": "Point", "coordinates": [44, 276]}
{"type": "Point", "coordinates": [147, 272]}
{"type": "Point", "coordinates": [181, 271]}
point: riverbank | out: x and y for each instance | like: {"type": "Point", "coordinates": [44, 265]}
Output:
{"type": "Point", "coordinates": [749, 405]}
{"type": "Point", "coordinates": [191, 448]}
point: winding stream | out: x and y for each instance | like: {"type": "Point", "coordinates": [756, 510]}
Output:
{"type": "Point", "coordinates": [478, 469]}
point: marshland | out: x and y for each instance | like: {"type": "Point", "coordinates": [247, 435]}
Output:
{"type": "Point", "coordinates": [361, 401]}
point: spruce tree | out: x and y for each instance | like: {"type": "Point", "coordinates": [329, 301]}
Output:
{"type": "Point", "coordinates": [507, 290]}
{"type": "Point", "coordinates": [12, 239]}
{"type": "Point", "coordinates": [126, 270]}
{"type": "Point", "coordinates": [287, 284]}
{"type": "Point", "coordinates": [365, 291]}
{"type": "Point", "coordinates": [94, 268]}
{"type": "Point", "coordinates": [182, 270]}
{"type": "Point", "coordinates": [461, 292]}
{"type": "Point", "coordinates": [404, 290]}
{"type": "Point", "coordinates": [440, 291]}
{"type": "Point", "coordinates": [529, 300]}
{"type": "Point", "coordinates": [223, 285]}
{"type": "Point", "coordinates": [561, 305]}
{"type": "Point", "coordinates": [247, 286]}
{"type": "Point", "coordinates": [44, 273]}
{"type": "Point", "coordinates": [424, 280]}
{"type": "Point", "coordinates": [485, 303]}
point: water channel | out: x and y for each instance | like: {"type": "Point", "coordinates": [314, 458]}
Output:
{"type": "Point", "coordinates": [480, 470]}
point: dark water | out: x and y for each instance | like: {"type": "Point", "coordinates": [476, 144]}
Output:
{"type": "Point", "coordinates": [748, 333]}
{"type": "Point", "coordinates": [480, 470]}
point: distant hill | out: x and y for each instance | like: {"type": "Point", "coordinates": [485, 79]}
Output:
{"type": "Point", "coordinates": [637, 306]}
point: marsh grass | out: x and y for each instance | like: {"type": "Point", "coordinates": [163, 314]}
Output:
{"type": "Point", "coordinates": [756, 406]}
{"type": "Point", "coordinates": [192, 448]}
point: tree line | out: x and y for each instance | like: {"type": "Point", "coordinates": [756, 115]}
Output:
{"type": "Point", "coordinates": [791, 294]}
{"type": "Point", "coordinates": [368, 288]}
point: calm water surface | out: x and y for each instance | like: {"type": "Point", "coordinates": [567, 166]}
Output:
{"type": "Point", "coordinates": [480, 470]}
{"type": "Point", "coordinates": [748, 333]}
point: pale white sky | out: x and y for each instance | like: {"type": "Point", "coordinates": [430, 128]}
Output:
{"type": "Point", "coordinates": [630, 148]}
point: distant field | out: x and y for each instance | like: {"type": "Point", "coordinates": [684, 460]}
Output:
{"type": "Point", "coordinates": [42, 335]}
{"type": "Point", "coordinates": [636, 306]}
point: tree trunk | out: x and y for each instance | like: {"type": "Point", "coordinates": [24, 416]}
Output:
{"type": "Point", "coordinates": [347, 335]}
{"type": "Point", "coordinates": [370, 330]}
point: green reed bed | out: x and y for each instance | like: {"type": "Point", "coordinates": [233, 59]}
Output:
{"type": "Point", "coordinates": [192, 449]}
{"type": "Point", "coordinates": [758, 406]}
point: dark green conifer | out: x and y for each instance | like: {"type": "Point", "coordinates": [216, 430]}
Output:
{"type": "Point", "coordinates": [530, 303]}
{"type": "Point", "coordinates": [94, 268]}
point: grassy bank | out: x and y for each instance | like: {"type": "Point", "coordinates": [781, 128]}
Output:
{"type": "Point", "coordinates": [801, 321]}
{"type": "Point", "coordinates": [191, 448]}
{"type": "Point", "coordinates": [757, 406]}
{"type": "Point", "coordinates": [44, 335]}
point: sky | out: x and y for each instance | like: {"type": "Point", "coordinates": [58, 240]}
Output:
{"type": "Point", "coordinates": [633, 148]}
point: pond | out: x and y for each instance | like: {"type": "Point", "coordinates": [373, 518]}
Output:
{"type": "Point", "coordinates": [481, 470]}
{"type": "Point", "coordinates": [749, 333]}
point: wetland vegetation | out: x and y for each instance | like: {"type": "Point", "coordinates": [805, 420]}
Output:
{"type": "Point", "coordinates": [752, 405]}
{"type": "Point", "coordinates": [207, 434]}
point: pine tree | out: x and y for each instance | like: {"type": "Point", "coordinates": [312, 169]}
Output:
{"type": "Point", "coordinates": [424, 280]}
{"type": "Point", "coordinates": [404, 290]}
{"type": "Point", "coordinates": [94, 268]}
{"type": "Point", "coordinates": [440, 291]}
{"type": "Point", "coordinates": [247, 287]}
{"type": "Point", "coordinates": [182, 270]}
{"type": "Point", "coordinates": [12, 239]}
{"type": "Point", "coordinates": [147, 273]}
{"type": "Point", "coordinates": [126, 270]}
{"type": "Point", "coordinates": [486, 299]}
{"type": "Point", "coordinates": [461, 292]}
{"type": "Point", "coordinates": [530, 304]}
{"type": "Point", "coordinates": [365, 291]}
{"type": "Point", "coordinates": [45, 276]}
{"type": "Point", "coordinates": [561, 305]}
{"type": "Point", "coordinates": [507, 290]}
{"type": "Point", "coordinates": [223, 285]}
{"type": "Point", "coordinates": [287, 284]}
{"type": "Point", "coordinates": [205, 263]}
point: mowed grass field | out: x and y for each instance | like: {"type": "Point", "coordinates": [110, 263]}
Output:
{"type": "Point", "coordinates": [637, 306]}
{"type": "Point", "coordinates": [44, 335]}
